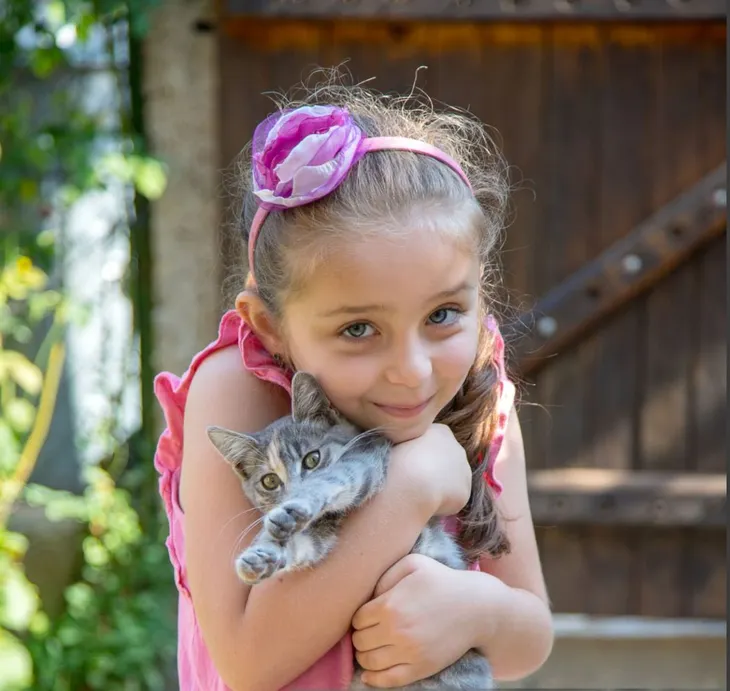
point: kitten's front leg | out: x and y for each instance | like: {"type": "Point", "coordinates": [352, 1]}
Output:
{"type": "Point", "coordinates": [293, 516]}
{"type": "Point", "coordinates": [345, 485]}
{"type": "Point", "coordinates": [264, 557]}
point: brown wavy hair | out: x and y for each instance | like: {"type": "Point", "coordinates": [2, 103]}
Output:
{"type": "Point", "coordinates": [379, 192]}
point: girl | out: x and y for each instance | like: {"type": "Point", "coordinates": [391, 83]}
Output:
{"type": "Point", "coordinates": [370, 230]}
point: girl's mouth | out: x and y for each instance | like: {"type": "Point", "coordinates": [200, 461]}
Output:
{"type": "Point", "coordinates": [404, 411]}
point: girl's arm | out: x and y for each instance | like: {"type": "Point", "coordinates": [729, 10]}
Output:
{"type": "Point", "coordinates": [517, 635]}
{"type": "Point", "coordinates": [425, 616]}
{"type": "Point", "coordinates": [264, 638]}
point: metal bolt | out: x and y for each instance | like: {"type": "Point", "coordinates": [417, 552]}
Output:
{"type": "Point", "coordinates": [547, 326]}
{"type": "Point", "coordinates": [632, 264]}
{"type": "Point", "coordinates": [719, 198]}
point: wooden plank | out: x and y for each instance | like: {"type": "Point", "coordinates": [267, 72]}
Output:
{"type": "Point", "coordinates": [660, 573]}
{"type": "Point", "coordinates": [266, 35]}
{"type": "Point", "coordinates": [667, 485]}
{"type": "Point", "coordinates": [625, 164]}
{"type": "Point", "coordinates": [523, 143]}
{"type": "Point", "coordinates": [709, 370]}
{"type": "Point", "coordinates": [706, 565]}
{"type": "Point", "coordinates": [612, 570]}
{"type": "Point", "coordinates": [709, 375]}
{"type": "Point", "coordinates": [562, 556]}
{"type": "Point", "coordinates": [664, 414]}
{"type": "Point", "coordinates": [706, 580]}
{"type": "Point", "coordinates": [571, 202]}
{"type": "Point", "coordinates": [475, 10]}
{"type": "Point", "coordinates": [242, 106]}
{"type": "Point", "coordinates": [522, 146]}
{"type": "Point", "coordinates": [570, 194]}
{"type": "Point", "coordinates": [589, 496]}
{"type": "Point", "coordinates": [632, 265]}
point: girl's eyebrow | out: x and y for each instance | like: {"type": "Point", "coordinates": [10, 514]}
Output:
{"type": "Point", "coordinates": [360, 309]}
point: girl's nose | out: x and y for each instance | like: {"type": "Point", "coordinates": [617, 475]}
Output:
{"type": "Point", "coordinates": [410, 365]}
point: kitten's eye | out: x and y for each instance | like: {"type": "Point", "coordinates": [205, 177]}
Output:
{"type": "Point", "coordinates": [270, 481]}
{"type": "Point", "coordinates": [311, 460]}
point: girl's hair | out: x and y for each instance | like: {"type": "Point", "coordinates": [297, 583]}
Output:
{"type": "Point", "coordinates": [381, 191]}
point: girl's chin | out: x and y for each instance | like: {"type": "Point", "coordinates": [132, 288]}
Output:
{"type": "Point", "coordinates": [398, 435]}
{"type": "Point", "coordinates": [397, 430]}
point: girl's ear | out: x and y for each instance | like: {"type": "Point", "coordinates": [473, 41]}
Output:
{"type": "Point", "coordinates": [252, 310]}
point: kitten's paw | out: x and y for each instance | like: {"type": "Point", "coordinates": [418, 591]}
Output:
{"type": "Point", "coordinates": [289, 518]}
{"type": "Point", "coordinates": [260, 562]}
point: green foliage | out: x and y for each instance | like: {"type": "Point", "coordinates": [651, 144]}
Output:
{"type": "Point", "coordinates": [116, 630]}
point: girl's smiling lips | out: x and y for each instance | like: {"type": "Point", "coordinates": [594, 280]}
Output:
{"type": "Point", "coordinates": [405, 411]}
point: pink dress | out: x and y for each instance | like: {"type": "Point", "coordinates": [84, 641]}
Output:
{"type": "Point", "coordinates": [195, 667]}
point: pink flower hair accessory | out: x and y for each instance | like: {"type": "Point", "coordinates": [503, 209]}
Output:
{"type": "Point", "coordinates": [301, 155]}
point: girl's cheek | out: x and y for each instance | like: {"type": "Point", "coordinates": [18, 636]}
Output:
{"type": "Point", "coordinates": [345, 381]}
{"type": "Point", "coordinates": [457, 356]}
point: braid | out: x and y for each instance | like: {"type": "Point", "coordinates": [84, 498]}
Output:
{"type": "Point", "coordinates": [472, 417]}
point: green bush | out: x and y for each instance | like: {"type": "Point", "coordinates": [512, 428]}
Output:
{"type": "Point", "coordinates": [116, 630]}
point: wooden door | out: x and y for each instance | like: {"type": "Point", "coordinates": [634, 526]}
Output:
{"type": "Point", "coordinates": [614, 262]}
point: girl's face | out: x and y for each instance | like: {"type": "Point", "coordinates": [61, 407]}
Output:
{"type": "Point", "coordinates": [389, 327]}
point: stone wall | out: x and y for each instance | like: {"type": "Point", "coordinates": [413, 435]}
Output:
{"type": "Point", "coordinates": [632, 653]}
{"type": "Point", "coordinates": [181, 117]}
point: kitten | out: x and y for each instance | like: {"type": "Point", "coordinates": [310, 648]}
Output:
{"type": "Point", "coordinates": [305, 473]}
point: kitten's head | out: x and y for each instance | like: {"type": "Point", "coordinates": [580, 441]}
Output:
{"type": "Point", "coordinates": [289, 450]}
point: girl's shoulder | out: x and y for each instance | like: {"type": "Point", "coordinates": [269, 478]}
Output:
{"type": "Point", "coordinates": [232, 369]}
{"type": "Point", "coordinates": [223, 381]}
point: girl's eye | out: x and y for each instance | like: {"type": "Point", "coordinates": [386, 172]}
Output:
{"type": "Point", "coordinates": [359, 330]}
{"type": "Point", "coordinates": [311, 460]}
{"type": "Point", "coordinates": [270, 481]}
{"type": "Point", "coordinates": [444, 315]}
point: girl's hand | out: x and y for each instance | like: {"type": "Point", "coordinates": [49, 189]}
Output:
{"type": "Point", "coordinates": [438, 464]}
{"type": "Point", "coordinates": [420, 620]}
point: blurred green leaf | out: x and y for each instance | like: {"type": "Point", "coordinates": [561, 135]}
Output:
{"type": "Point", "coordinates": [19, 598]}
{"type": "Point", "coordinates": [16, 366]}
{"type": "Point", "coordinates": [56, 13]}
{"type": "Point", "coordinates": [20, 414]}
{"type": "Point", "coordinates": [116, 630]}
{"type": "Point", "coordinates": [15, 662]}
{"type": "Point", "coordinates": [149, 177]}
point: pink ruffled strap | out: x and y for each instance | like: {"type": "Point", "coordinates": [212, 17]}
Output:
{"type": "Point", "coordinates": [172, 392]}
{"type": "Point", "coordinates": [505, 401]}
{"type": "Point", "coordinates": [258, 360]}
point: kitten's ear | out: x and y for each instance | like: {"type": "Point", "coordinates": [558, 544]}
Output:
{"type": "Point", "coordinates": [309, 401]}
{"type": "Point", "coordinates": [235, 447]}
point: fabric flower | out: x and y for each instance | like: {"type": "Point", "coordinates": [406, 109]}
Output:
{"type": "Point", "coordinates": [302, 155]}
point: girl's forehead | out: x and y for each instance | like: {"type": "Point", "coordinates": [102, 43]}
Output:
{"type": "Point", "coordinates": [385, 270]}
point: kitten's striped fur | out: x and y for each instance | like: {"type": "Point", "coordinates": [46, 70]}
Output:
{"type": "Point", "coordinates": [303, 513]}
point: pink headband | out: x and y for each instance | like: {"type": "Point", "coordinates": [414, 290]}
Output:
{"type": "Point", "coordinates": [302, 155]}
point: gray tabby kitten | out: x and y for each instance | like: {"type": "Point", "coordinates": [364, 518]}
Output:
{"type": "Point", "coordinates": [304, 473]}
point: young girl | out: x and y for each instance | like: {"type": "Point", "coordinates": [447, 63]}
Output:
{"type": "Point", "coordinates": [369, 230]}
